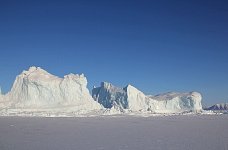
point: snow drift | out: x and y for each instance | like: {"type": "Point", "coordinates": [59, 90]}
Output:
{"type": "Point", "coordinates": [130, 98]}
{"type": "Point", "coordinates": [37, 89]}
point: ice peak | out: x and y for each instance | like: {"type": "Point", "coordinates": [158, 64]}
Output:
{"type": "Point", "coordinates": [76, 77]}
{"type": "Point", "coordinates": [129, 87]}
{"type": "Point", "coordinates": [195, 94]}
{"type": "Point", "coordinates": [37, 74]}
{"type": "Point", "coordinates": [33, 68]}
{"type": "Point", "coordinates": [106, 85]}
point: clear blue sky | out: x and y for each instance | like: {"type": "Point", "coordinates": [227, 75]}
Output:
{"type": "Point", "coordinates": [157, 46]}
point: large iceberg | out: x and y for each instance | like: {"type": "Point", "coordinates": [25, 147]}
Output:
{"type": "Point", "coordinates": [130, 98]}
{"type": "Point", "coordinates": [37, 92]}
{"type": "Point", "coordinates": [36, 89]}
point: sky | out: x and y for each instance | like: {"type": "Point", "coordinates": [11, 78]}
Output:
{"type": "Point", "coordinates": [156, 46]}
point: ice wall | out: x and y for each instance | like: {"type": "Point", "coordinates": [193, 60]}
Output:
{"type": "Point", "coordinates": [36, 88]}
{"type": "Point", "coordinates": [133, 99]}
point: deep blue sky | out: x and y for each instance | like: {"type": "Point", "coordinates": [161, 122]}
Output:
{"type": "Point", "coordinates": [157, 46]}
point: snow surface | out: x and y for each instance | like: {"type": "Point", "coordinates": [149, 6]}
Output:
{"type": "Point", "coordinates": [133, 99]}
{"type": "Point", "coordinates": [204, 132]}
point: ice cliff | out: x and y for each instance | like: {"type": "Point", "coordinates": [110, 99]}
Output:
{"type": "Point", "coordinates": [130, 98]}
{"type": "Point", "coordinates": [36, 89]}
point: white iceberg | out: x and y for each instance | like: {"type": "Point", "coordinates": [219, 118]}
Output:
{"type": "Point", "coordinates": [36, 89]}
{"type": "Point", "coordinates": [130, 98]}
{"type": "Point", "coordinates": [222, 107]}
{"type": "Point", "coordinates": [38, 93]}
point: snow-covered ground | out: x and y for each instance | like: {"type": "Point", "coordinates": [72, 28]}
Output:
{"type": "Point", "coordinates": [179, 132]}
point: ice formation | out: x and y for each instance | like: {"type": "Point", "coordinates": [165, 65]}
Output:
{"type": "Point", "coordinates": [1, 94]}
{"type": "Point", "coordinates": [222, 106]}
{"type": "Point", "coordinates": [38, 93]}
{"type": "Point", "coordinates": [130, 98]}
{"type": "Point", "coordinates": [37, 89]}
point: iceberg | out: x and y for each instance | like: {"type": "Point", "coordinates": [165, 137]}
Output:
{"type": "Point", "coordinates": [36, 89]}
{"type": "Point", "coordinates": [222, 107]}
{"type": "Point", "coordinates": [130, 98]}
{"type": "Point", "coordinates": [36, 92]}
